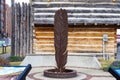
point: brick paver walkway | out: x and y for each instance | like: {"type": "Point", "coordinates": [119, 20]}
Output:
{"type": "Point", "coordinates": [83, 74]}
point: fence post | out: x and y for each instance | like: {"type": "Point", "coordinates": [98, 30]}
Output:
{"type": "Point", "coordinates": [13, 29]}
{"type": "Point", "coordinates": [21, 29]}
{"type": "Point", "coordinates": [31, 30]}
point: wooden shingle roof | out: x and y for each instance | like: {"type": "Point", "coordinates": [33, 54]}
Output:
{"type": "Point", "coordinates": [78, 13]}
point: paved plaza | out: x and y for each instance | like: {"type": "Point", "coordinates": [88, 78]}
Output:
{"type": "Point", "coordinates": [82, 74]}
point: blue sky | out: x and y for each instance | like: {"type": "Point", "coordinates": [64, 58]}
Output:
{"type": "Point", "coordinates": [9, 1]}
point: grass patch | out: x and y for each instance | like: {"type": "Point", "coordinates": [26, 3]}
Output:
{"type": "Point", "coordinates": [8, 50]}
{"type": "Point", "coordinates": [106, 63]}
{"type": "Point", "coordinates": [15, 63]}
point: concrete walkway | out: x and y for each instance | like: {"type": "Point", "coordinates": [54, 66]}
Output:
{"type": "Point", "coordinates": [5, 55]}
{"type": "Point", "coordinates": [83, 74]}
{"type": "Point", "coordinates": [72, 60]}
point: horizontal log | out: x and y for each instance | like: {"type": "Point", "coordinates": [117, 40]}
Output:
{"type": "Point", "coordinates": [110, 21]}
{"type": "Point", "coordinates": [77, 10]}
{"type": "Point", "coordinates": [78, 15]}
{"type": "Point", "coordinates": [77, 34]}
{"type": "Point", "coordinates": [44, 42]}
{"type": "Point", "coordinates": [50, 33]}
{"type": "Point", "coordinates": [76, 42]}
{"type": "Point", "coordinates": [43, 51]}
{"type": "Point", "coordinates": [80, 20]}
{"type": "Point", "coordinates": [40, 4]}
{"type": "Point", "coordinates": [72, 1]}
{"type": "Point", "coordinates": [81, 40]}
{"type": "Point", "coordinates": [51, 29]}
{"type": "Point", "coordinates": [72, 51]}
{"type": "Point", "coordinates": [44, 29]}
{"type": "Point", "coordinates": [75, 46]}
{"type": "Point", "coordinates": [75, 39]}
{"type": "Point", "coordinates": [92, 29]}
{"type": "Point", "coordinates": [111, 50]}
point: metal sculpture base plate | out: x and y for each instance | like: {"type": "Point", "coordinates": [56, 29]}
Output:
{"type": "Point", "coordinates": [68, 73]}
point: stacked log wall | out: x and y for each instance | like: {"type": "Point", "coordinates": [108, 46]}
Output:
{"type": "Point", "coordinates": [80, 39]}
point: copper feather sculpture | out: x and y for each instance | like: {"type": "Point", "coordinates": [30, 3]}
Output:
{"type": "Point", "coordinates": [61, 38]}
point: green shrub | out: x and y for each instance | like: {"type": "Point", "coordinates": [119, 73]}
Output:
{"type": "Point", "coordinates": [115, 64]}
{"type": "Point", "coordinates": [106, 63]}
{"type": "Point", "coordinates": [15, 58]}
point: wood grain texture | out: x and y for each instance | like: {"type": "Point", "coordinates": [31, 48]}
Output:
{"type": "Point", "coordinates": [21, 29]}
{"type": "Point", "coordinates": [82, 38]}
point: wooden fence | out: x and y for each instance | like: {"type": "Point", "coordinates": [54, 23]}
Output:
{"type": "Point", "coordinates": [22, 31]}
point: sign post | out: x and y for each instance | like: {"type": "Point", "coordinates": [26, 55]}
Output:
{"type": "Point", "coordinates": [105, 39]}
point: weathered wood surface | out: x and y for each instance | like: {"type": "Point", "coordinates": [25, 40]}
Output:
{"type": "Point", "coordinates": [21, 30]}
{"type": "Point", "coordinates": [78, 13]}
{"type": "Point", "coordinates": [76, 1]}
{"type": "Point", "coordinates": [30, 46]}
{"type": "Point", "coordinates": [16, 29]}
{"type": "Point", "coordinates": [19, 25]}
{"type": "Point", "coordinates": [80, 39]}
{"type": "Point", "coordinates": [15, 41]}
{"type": "Point", "coordinates": [24, 29]}
{"type": "Point", "coordinates": [28, 29]}
{"type": "Point", "coordinates": [13, 29]}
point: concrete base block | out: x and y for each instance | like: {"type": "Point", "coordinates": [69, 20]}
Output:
{"type": "Point", "coordinates": [73, 60]}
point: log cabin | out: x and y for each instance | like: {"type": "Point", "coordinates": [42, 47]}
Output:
{"type": "Point", "coordinates": [89, 21]}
